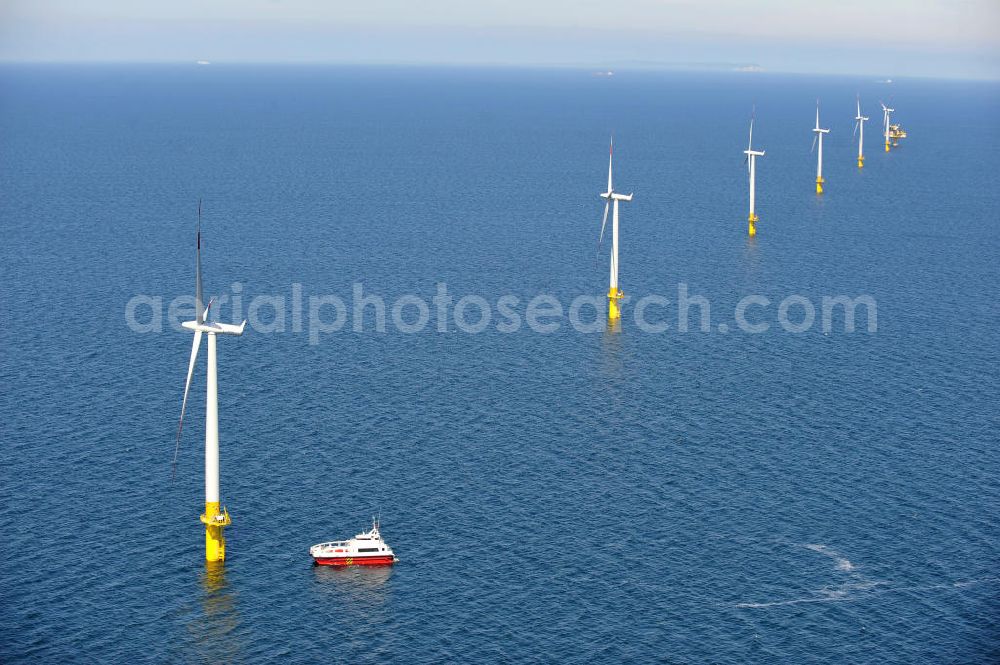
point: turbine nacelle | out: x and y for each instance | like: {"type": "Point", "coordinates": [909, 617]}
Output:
{"type": "Point", "coordinates": [215, 328]}
{"type": "Point", "coordinates": [885, 113]}
{"type": "Point", "coordinates": [615, 196]}
{"type": "Point", "coordinates": [817, 129]}
{"type": "Point", "coordinates": [611, 195]}
{"type": "Point", "coordinates": [750, 152]}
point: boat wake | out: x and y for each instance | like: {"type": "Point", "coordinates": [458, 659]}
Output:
{"type": "Point", "coordinates": [857, 585]}
{"type": "Point", "coordinates": [842, 563]}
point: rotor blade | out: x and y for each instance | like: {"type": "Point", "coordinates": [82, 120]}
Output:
{"type": "Point", "coordinates": [855, 132]}
{"type": "Point", "coordinates": [198, 298]}
{"type": "Point", "coordinates": [611, 153]}
{"type": "Point", "coordinates": [815, 136]}
{"type": "Point", "coordinates": [604, 222]}
{"type": "Point", "coordinates": [750, 142]}
{"type": "Point", "coordinates": [187, 388]}
{"type": "Point", "coordinates": [600, 239]}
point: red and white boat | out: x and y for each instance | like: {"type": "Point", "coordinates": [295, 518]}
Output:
{"type": "Point", "coordinates": [364, 549]}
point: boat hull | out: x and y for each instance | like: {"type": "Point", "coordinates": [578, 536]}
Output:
{"type": "Point", "coordinates": [354, 561]}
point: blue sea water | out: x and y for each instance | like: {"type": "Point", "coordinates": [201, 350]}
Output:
{"type": "Point", "coordinates": [565, 497]}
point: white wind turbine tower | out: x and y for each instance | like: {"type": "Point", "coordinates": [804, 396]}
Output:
{"type": "Point", "coordinates": [614, 293]}
{"type": "Point", "coordinates": [819, 160]}
{"type": "Point", "coordinates": [886, 111]}
{"type": "Point", "coordinates": [751, 160]}
{"type": "Point", "coordinates": [859, 128]}
{"type": "Point", "coordinates": [215, 517]}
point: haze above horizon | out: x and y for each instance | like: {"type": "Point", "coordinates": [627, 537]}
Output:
{"type": "Point", "coordinates": [890, 39]}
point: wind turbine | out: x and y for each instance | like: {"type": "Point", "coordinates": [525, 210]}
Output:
{"type": "Point", "coordinates": [751, 162]}
{"type": "Point", "coordinates": [215, 517]}
{"type": "Point", "coordinates": [614, 293]}
{"type": "Point", "coordinates": [819, 160]}
{"type": "Point", "coordinates": [885, 123]}
{"type": "Point", "coordinates": [859, 129]}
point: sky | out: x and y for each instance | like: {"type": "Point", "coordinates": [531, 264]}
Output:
{"type": "Point", "coordinates": [884, 38]}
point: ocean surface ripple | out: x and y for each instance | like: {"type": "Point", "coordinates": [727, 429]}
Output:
{"type": "Point", "coordinates": [567, 497]}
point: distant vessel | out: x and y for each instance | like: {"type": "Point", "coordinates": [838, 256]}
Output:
{"type": "Point", "coordinates": [364, 549]}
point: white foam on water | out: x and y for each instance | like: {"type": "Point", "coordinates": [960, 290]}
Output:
{"type": "Point", "coordinates": [792, 601]}
{"type": "Point", "coordinates": [876, 588]}
{"type": "Point", "coordinates": [842, 562]}
{"type": "Point", "coordinates": [856, 583]}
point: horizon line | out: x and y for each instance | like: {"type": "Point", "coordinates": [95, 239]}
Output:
{"type": "Point", "coordinates": [748, 69]}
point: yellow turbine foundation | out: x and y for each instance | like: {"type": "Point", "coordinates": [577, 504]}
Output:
{"type": "Point", "coordinates": [215, 519]}
{"type": "Point", "coordinates": [819, 185]}
{"type": "Point", "coordinates": [614, 311]}
{"type": "Point", "coordinates": [861, 162]}
{"type": "Point", "coordinates": [887, 146]}
{"type": "Point", "coordinates": [752, 224]}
